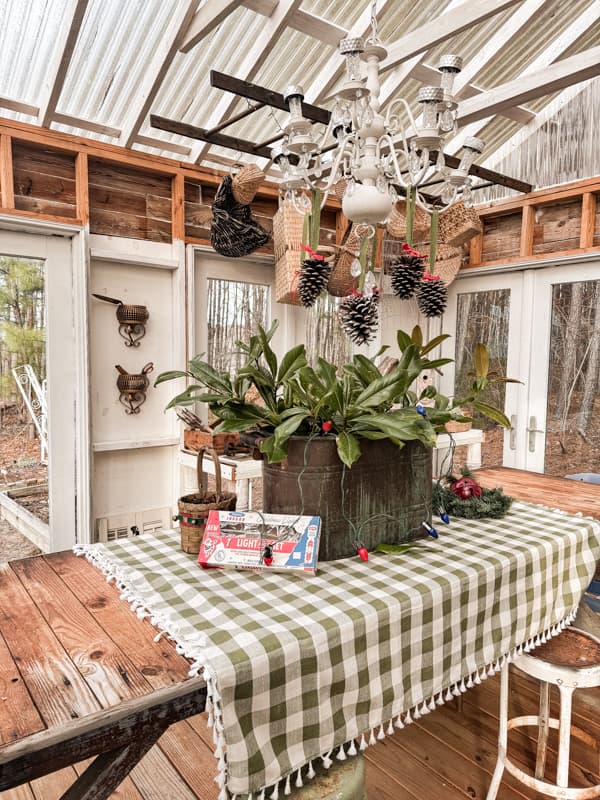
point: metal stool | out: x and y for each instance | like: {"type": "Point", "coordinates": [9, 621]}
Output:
{"type": "Point", "coordinates": [570, 661]}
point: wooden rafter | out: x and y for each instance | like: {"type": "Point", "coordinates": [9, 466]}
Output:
{"type": "Point", "coordinates": [549, 55]}
{"type": "Point", "coordinates": [19, 107]}
{"type": "Point", "coordinates": [270, 34]}
{"type": "Point", "coordinates": [557, 76]}
{"type": "Point", "coordinates": [57, 70]}
{"type": "Point", "coordinates": [210, 16]}
{"type": "Point", "coordinates": [157, 70]}
{"type": "Point", "coordinates": [443, 27]}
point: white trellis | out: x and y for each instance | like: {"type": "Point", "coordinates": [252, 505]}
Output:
{"type": "Point", "coordinates": [34, 394]}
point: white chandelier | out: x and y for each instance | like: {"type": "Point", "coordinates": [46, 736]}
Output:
{"type": "Point", "coordinates": [373, 153]}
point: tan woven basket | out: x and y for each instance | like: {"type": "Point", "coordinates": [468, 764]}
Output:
{"type": "Point", "coordinates": [396, 225]}
{"type": "Point", "coordinates": [447, 260]}
{"type": "Point", "coordinates": [193, 508]}
{"type": "Point", "coordinates": [459, 427]}
{"type": "Point", "coordinates": [288, 226]}
{"type": "Point", "coordinates": [246, 182]}
{"type": "Point", "coordinates": [341, 281]}
{"type": "Point", "coordinates": [287, 273]}
{"type": "Point", "coordinates": [459, 224]}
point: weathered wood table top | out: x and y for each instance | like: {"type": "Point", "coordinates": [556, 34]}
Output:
{"type": "Point", "coordinates": [568, 495]}
{"type": "Point", "coordinates": [80, 675]}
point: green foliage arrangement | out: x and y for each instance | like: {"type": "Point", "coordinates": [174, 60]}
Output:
{"type": "Point", "coordinates": [355, 403]}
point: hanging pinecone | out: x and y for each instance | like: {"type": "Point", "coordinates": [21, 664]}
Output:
{"type": "Point", "coordinates": [432, 296]}
{"type": "Point", "coordinates": [407, 270]}
{"type": "Point", "coordinates": [313, 280]}
{"type": "Point", "coordinates": [359, 317]}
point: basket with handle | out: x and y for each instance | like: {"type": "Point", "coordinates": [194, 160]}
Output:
{"type": "Point", "coordinates": [245, 183]}
{"type": "Point", "coordinates": [459, 224]}
{"type": "Point", "coordinates": [193, 508]}
{"type": "Point", "coordinates": [396, 226]}
{"type": "Point", "coordinates": [447, 260]}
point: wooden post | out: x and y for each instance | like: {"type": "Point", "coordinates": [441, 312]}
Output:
{"type": "Point", "coordinates": [82, 196]}
{"type": "Point", "coordinates": [527, 225]}
{"type": "Point", "coordinates": [476, 250]}
{"type": "Point", "coordinates": [178, 207]}
{"type": "Point", "coordinates": [588, 219]}
{"type": "Point", "coordinates": [7, 187]}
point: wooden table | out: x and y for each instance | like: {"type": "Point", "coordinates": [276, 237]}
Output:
{"type": "Point", "coordinates": [81, 675]}
{"type": "Point", "coordinates": [571, 496]}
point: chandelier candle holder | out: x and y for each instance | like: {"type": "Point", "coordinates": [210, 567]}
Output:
{"type": "Point", "coordinates": [375, 154]}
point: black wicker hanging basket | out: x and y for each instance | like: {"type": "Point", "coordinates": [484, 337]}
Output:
{"type": "Point", "coordinates": [234, 232]}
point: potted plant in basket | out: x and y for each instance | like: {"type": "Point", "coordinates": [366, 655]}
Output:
{"type": "Point", "coordinates": [351, 445]}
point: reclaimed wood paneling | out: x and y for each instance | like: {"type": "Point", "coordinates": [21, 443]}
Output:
{"type": "Point", "coordinates": [126, 201]}
{"type": "Point", "coordinates": [557, 227]}
{"type": "Point", "coordinates": [501, 237]}
{"type": "Point", "coordinates": [44, 180]}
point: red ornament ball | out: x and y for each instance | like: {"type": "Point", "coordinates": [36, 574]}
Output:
{"type": "Point", "coordinates": [465, 488]}
{"type": "Point", "coordinates": [327, 426]}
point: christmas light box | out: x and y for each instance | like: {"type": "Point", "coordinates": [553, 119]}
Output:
{"type": "Point", "coordinates": [251, 540]}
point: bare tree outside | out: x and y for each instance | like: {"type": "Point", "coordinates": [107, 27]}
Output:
{"type": "Point", "coordinates": [324, 335]}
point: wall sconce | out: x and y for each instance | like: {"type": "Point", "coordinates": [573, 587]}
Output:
{"type": "Point", "coordinates": [132, 320]}
{"type": "Point", "coordinates": [132, 387]}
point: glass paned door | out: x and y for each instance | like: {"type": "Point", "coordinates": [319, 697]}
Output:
{"type": "Point", "coordinates": [563, 420]}
{"type": "Point", "coordinates": [486, 309]}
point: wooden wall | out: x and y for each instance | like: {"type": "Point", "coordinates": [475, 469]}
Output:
{"type": "Point", "coordinates": [126, 193]}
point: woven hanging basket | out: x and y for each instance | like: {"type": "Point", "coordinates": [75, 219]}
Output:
{"type": "Point", "coordinates": [396, 225]}
{"type": "Point", "coordinates": [193, 508]}
{"type": "Point", "coordinates": [287, 230]}
{"type": "Point", "coordinates": [452, 426]}
{"type": "Point", "coordinates": [459, 224]}
{"type": "Point", "coordinates": [245, 183]}
{"type": "Point", "coordinates": [341, 281]}
{"type": "Point", "coordinates": [234, 233]}
{"type": "Point", "coordinates": [447, 260]}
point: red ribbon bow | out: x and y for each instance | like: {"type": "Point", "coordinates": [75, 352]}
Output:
{"type": "Point", "coordinates": [311, 252]}
{"type": "Point", "coordinates": [411, 252]}
{"type": "Point", "coordinates": [429, 277]}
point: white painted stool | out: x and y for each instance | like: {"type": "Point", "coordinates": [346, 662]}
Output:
{"type": "Point", "coordinates": [570, 661]}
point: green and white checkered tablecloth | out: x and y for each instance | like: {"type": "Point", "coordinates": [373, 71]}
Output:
{"type": "Point", "coordinates": [297, 666]}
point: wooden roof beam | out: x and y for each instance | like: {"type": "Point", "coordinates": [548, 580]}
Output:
{"type": "Point", "coordinates": [209, 17]}
{"type": "Point", "coordinates": [443, 27]}
{"type": "Point", "coordinates": [63, 53]}
{"type": "Point", "coordinates": [549, 55]}
{"type": "Point", "coordinates": [248, 69]}
{"type": "Point", "coordinates": [157, 69]}
{"type": "Point", "coordinates": [528, 87]}
{"type": "Point", "coordinates": [19, 107]}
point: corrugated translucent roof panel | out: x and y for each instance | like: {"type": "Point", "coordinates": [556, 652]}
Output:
{"type": "Point", "coordinates": [118, 43]}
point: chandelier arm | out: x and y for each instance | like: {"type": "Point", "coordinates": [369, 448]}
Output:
{"type": "Point", "coordinates": [390, 115]}
{"type": "Point", "coordinates": [397, 171]}
{"type": "Point", "coordinates": [333, 175]}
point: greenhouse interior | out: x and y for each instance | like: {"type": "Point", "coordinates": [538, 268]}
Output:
{"type": "Point", "coordinates": [299, 374]}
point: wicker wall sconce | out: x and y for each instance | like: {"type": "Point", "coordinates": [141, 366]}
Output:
{"type": "Point", "coordinates": [132, 387]}
{"type": "Point", "coordinates": [132, 320]}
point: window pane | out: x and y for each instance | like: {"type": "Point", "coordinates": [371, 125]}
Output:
{"type": "Point", "coordinates": [324, 335]}
{"type": "Point", "coordinates": [572, 424]}
{"type": "Point", "coordinates": [235, 310]}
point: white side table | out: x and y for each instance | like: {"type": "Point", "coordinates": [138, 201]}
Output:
{"type": "Point", "coordinates": [240, 469]}
{"type": "Point", "coordinates": [472, 439]}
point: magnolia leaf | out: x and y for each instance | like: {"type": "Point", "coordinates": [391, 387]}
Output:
{"type": "Point", "coordinates": [493, 413]}
{"type": "Point", "coordinates": [382, 390]}
{"type": "Point", "coordinates": [348, 448]}
{"type": "Point", "coordinates": [169, 376]}
{"type": "Point", "coordinates": [437, 340]}
{"type": "Point", "coordinates": [403, 340]}
{"type": "Point", "coordinates": [482, 360]}
{"type": "Point", "coordinates": [417, 336]}
{"type": "Point", "coordinates": [292, 361]}
{"type": "Point", "coordinates": [289, 426]}
{"type": "Point", "coordinates": [273, 452]}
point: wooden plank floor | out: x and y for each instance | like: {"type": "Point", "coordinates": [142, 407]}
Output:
{"type": "Point", "coordinates": [448, 754]}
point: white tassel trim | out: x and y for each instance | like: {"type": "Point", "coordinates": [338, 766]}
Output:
{"type": "Point", "coordinates": [193, 649]}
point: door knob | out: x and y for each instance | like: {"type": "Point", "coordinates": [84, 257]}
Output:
{"type": "Point", "coordinates": [512, 435]}
{"type": "Point", "coordinates": [532, 430]}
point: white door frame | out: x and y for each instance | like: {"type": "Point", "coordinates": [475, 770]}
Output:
{"type": "Point", "coordinates": [541, 283]}
{"type": "Point", "coordinates": [64, 248]}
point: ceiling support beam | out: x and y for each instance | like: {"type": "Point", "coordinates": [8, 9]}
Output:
{"type": "Point", "coordinates": [209, 17]}
{"type": "Point", "coordinates": [219, 139]}
{"type": "Point", "coordinates": [57, 70]}
{"type": "Point", "coordinates": [528, 87]}
{"type": "Point", "coordinates": [19, 107]}
{"type": "Point", "coordinates": [157, 70]}
{"type": "Point", "coordinates": [443, 27]}
{"type": "Point", "coordinates": [549, 55]}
